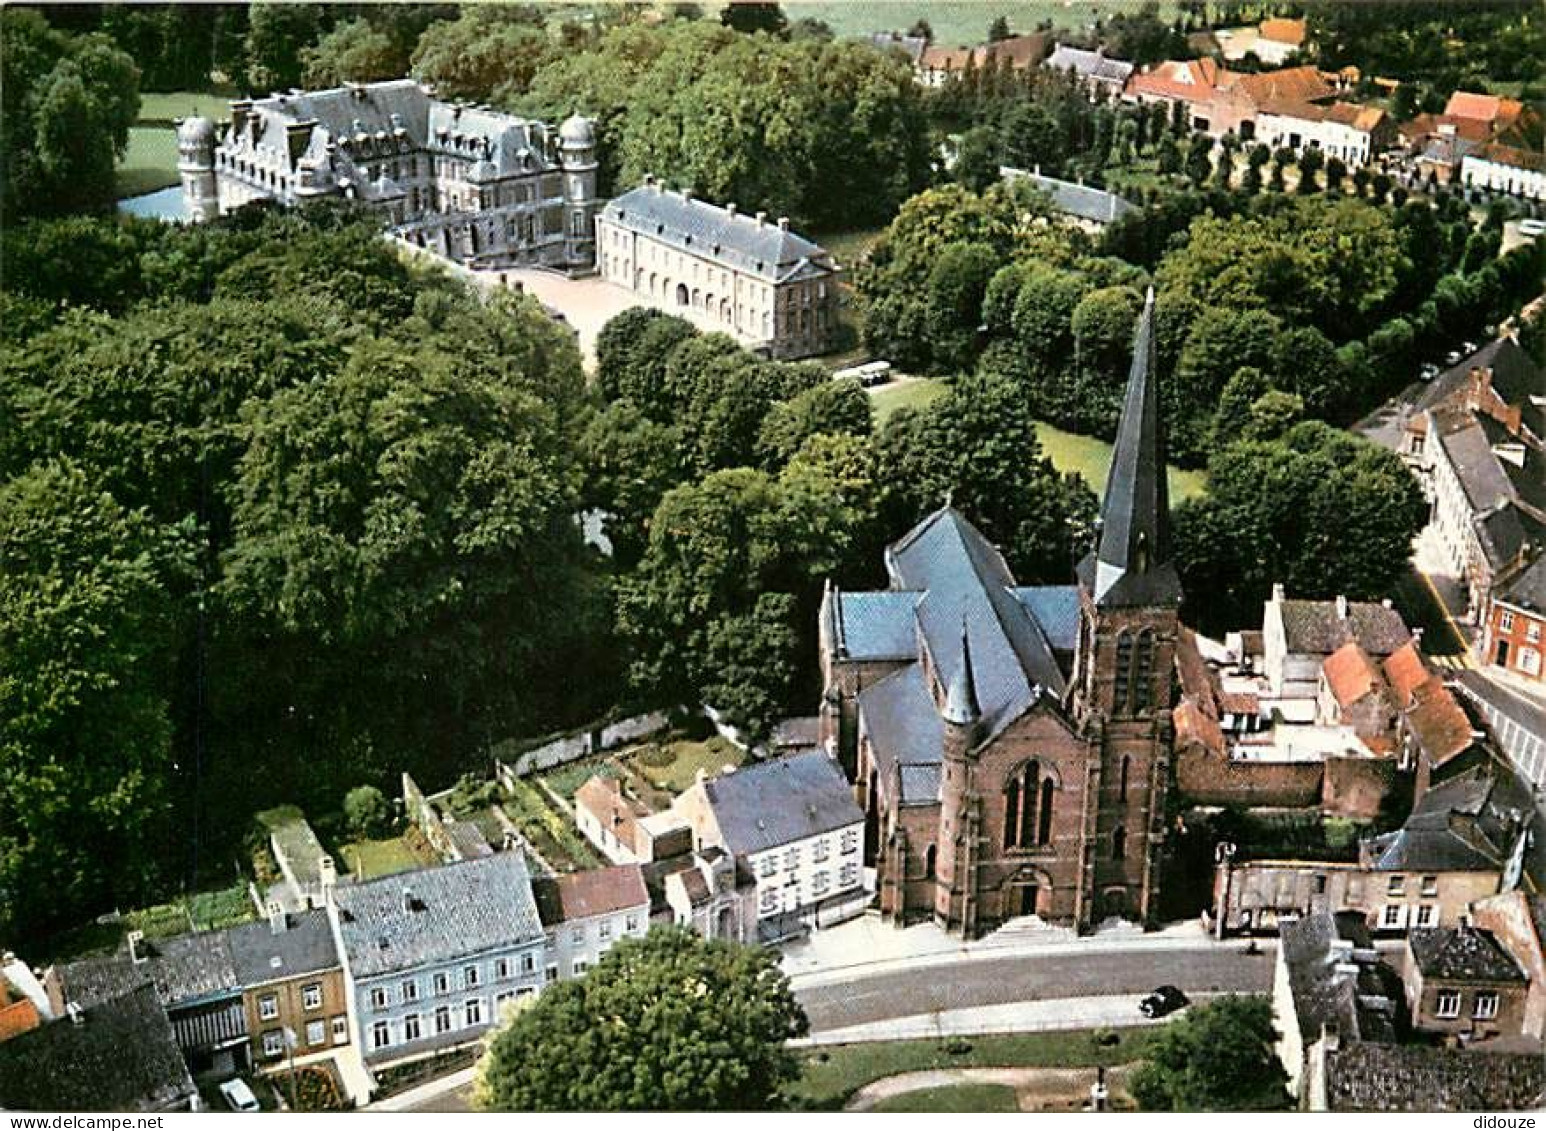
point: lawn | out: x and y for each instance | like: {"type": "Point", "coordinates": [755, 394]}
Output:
{"type": "Point", "coordinates": [958, 22]}
{"type": "Point", "coordinates": [151, 161]}
{"type": "Point", "coordinates": [550, 832]}
{"type": "Point", "coordinates": [911, 393]}
{"type": "Point", "coordinates": [833, 1074]}
{"type": "Point", "coordinates": [954, 1097]}
{"type": "Point", "coordinates": [368, 859]}
{"type": "Point", "coordinates": [566, 780]}
{"type": "Point", "coordinates": [202, 911]}
{"type": "Point", "coordinates": [685, 760]}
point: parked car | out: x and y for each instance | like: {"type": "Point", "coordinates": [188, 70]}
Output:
{"type": "Point", "coordinates": [1163, 1002]}
{"type": "Point", "coordinates": [238, 1096]}
{"type": "Point", "coordinates": [1428, 372]}
{"type": "Point", "coordinates": [1453, 357]}
{"type": "Point", "coordinates": [1467, 348]}
{"type": "Point", "coordinates": [1532, 228]}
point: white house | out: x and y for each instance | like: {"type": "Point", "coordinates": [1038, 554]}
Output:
{"type": "Point", "coordinates": [586, 913]}
{"type": "Point", "coordinates": [1506, 168]}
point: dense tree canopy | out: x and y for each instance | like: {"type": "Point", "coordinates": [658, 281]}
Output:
{"type": "Point", "coordinates": [670, 1022]}
{"type": "Point", "coordinates": [1218, 1056]}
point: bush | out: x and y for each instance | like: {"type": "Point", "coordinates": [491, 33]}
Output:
{"type": "Point", "coordinates": [471, 794]}
{"type": "Point", "coordinates": [368, 812]}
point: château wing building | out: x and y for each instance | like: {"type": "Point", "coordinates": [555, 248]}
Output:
{"type": "Point", "coordinates": [1011, 745]}
{"type": "Point", "coordinates": [466, 182]}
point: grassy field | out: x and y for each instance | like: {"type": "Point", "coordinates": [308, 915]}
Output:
{"type": "Point", "coordinates": [368, 859]}
{"type": "Point", "coordinates": [958, 21]}
{"type": "Point", "coordinates": [1086, 456]}
{"type": "Point", "coordinates": [151, 162]}
{"type": "Point", "coordinates": [686, 759]}
{"type": "Point", "coordinates": [954, 1097]}
{"type": "Point", "coordinates": [833, 1074]}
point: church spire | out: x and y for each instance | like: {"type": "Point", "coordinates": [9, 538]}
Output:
{"type": "Point", "coordinates": [1133, 564]}
{"type": "Point", "coordinates": [961, 707]}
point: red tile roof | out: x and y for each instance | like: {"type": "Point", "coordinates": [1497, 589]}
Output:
{"type": "Point", "coordinates": [1192, 725]}
{"type": "Point", "coordinates": [1298, 84]}
{"type": "Point", "coordinates": [1406, 672]}
{"type": "Point", "coordinates": [1351, 674]}
{"type": "Point", "coordinates": [1192, 80]}
{"type": "Point", "coordinates": [600, 891]}
{"type": "Point", "coordinates": [1281, 30]}
{"type": "Point", "coordinates": [1439, 723]}
{"type": "Point", "coordinates": [1489, 108]}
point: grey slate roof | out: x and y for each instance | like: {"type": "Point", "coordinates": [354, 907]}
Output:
{"type": "Point", "coordinates": [185, 970]}
{"type": "Point", "coordinates": [1074, 199]}
{"type": "Point", "coordinates": [305, 946]}
{"type": "Point", "coordinates": [780, 801]}
{"type": "Point", "coordinates": [905, 730]}
{"type": "Point", "coordinates": [1361, 1004]}
{"type": "Point", "coordinates": [912, 45]}
{"type": "Point", "coordinates": [1494, 487]}
{"type": "Point", "coordinates": [736, 239]}
{"type": "Point", "coordinates": [1515, 375]}
{"type": "Point", "coordinates": [1472, 822]}
{"type": "Point", "coordinates": [1461, 954]}
{"type": "Point", "coordinates": [1376, 1077]}
{"type": "Point", "coordinates": [1088, 64]}
{"type": "Point", "coordinates": [459, 910]}
{"type": "Point", "coordinates": [1056, 609]}
{"type": "Point", "coordinates": [1133, 564]}
{"type": "Point", "coordinates": [121, 1057]}
{"type": "Point", "coordinates": [1315, 627]}
{"type": "Point", "coordinates": [877, 626]}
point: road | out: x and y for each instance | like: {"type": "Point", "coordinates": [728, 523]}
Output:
{"type": "Point", "coordinates": [993, 981]}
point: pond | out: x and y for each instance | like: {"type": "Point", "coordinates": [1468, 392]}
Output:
{"type": "Point", "coordinates": [165, 204]}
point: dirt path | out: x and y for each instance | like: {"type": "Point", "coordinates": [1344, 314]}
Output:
{"type": "Point", "coordinates": [1038, 1089]}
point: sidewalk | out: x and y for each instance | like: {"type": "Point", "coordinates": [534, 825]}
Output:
{"type": "Point", "coordinates": [413, 1097]}
{"type": "Point", "coordinates": [869, 945]}
{"type": "Point", "coordinates": [1114, 1011]}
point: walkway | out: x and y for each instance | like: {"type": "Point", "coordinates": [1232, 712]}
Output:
{"type": "Point", "coordinates": [1037, 1089]}
{"type": "Point", "coordinates": [415, 1098]}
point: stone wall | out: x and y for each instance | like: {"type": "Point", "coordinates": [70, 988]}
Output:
{"type": "Point", "coordinates": [1356, 787]}
{"type": "Point", "coordinates": [423, 815]}
{"type": "Point", "coordinates": [1207, 778]}
{"type": "Point", "coordinates": [579, 744]}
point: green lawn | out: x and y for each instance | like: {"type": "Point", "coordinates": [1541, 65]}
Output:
{"type": "Point", "coordinates": [687, 758]}
{"type": "Point", "coordinates": [957, 22]}
{"type": "Point", "coordinates": [954, 1097]}
{"type": "Point", "coordinates": [1086, 456]}
{"type": "Point", "coordinates": [567, 780]}
{"type": "Point", "coordinates": [368, 859]}
{"type": "Point", "coordinates": [833, 1074]}
{"type": "Point", "coordinates": [151, 162]}
{"type": "Point", "coordinates": [167, 107]}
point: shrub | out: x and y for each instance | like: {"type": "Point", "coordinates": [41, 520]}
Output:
{"type": "Point", "coordinates": [368, 812]}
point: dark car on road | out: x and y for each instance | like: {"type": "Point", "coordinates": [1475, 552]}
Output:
{"type": "Point", "coordinates": [1162, 1002]}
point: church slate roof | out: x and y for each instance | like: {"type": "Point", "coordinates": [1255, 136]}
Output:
{"type": "Point", "coordinates": [122, 1056]}
{"type": "Point", "coordinates": [878, 625]}
{"type": "Point", "coordinates": [700, 228]}
{"type": "Point", "coordinates": [1376, 1077]}
{"type": "Point", "coordinates": [459, 910]}
{"type": "Point", "coordinates": [1056, 609]}
{"type": "Point", "coordinates": [905, 729]}
{"type": "Point", "coordinates": [1461, 954]}
{"type": "Point", "coordinates": [812, 797]}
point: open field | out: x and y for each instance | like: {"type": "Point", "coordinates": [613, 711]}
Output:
{"type": "Point", "coordinates": [151, 161]}
{"type": "Point", "coordinates": [954, 1097]}
{"type": "Point", "coordinates": [958, 22]}
{"type": "Point", "coordinates": [835, 1073]}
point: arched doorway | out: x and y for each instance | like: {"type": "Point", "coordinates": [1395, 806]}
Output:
{"type": "Point", "coordinates": [1114, 903]}
{"type": "Point", "coordinates": [1027, 892]}
{"type": "Point", "coordinates": [681, 294]}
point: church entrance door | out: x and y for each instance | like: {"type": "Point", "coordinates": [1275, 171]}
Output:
{"type": "Point", "coordinates": [1030, 897]}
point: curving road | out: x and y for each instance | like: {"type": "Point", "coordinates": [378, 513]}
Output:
{"type": "Point", "coordinates": [991, 980]}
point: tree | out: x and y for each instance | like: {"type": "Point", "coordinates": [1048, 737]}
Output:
{"type": "Point", "coordinates": [355, 51]}
{"type": "Point", "coordinates": [1199, 162]}
{"type": "Point", "coordinates": [750, 16]}
{"type": "Point", "coordinates": [998, 29]}
{"type": "Point", "coordinates": [368, 812]}
{"type": "Point", "coordinates": [670, 1022]}
{"type": "Point", "coordinates": [1310, 162]}
{"type": "Point", "coordinates": [953, 302]}
{"type": "Point", "coordinates": [977, 163]}
{"type": "Point", "coordinates": [1217, 1056]}
{"type": "Point", "coordinates": [1336, 174]}
{"type": "Point", "coordinates": [921, 29]}
{"type": "Point", "coordinates": [632, 351]}
{"type": "Point", "coordinates": [1169, 158]}
{"type": "Point", "coordinates": [831, 408]}
{"type": "Point", "coordinates": [490, 52]}
{"type": "Point", "coordinates": [277, 34]}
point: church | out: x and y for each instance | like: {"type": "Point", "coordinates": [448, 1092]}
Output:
{"type": "Point", "coordinates": [1010, 746]}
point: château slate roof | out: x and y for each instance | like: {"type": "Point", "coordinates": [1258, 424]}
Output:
{"type": "Point", "coordinates": [120, 1056]}
{"type": "Point", "coordinates": [1074, 198]}
{"type": "Point", "coordinates": [1515, 375]}
{"type": "Point", "coordinates": [758, 247]}
{"type": "Point", "coordinates": [1461, 954]}
{"type": "Point", "coordinates": [454, 911]}
{"type": "Point", "coordinates": [1361, 1076]}
{"type": "Point", "coordinates": [1133, 563]}
{"type": "Point", "coordinates": [778, 802]}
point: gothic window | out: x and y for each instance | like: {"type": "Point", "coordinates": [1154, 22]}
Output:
{"type": "Point", "coordinates": [929, 860]}
{"type": "Point", "coordinates": [1143, 673]}
{"type": "Point", "coordinates": [1127, 765]}
{"type": "Point", "coordinates": [1012, 813]}
{"type": "Point", "coordinates": [1123, 672]}
{"type": "Point", "coordinates": [1044, 824]}
{"type": "Point", "coordinates": [1119, 843]}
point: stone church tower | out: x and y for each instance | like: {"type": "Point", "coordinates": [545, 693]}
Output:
{"type": "Point", "coordinates": [1124, 664]}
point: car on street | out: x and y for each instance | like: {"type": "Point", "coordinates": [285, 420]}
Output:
{"type": "Point", "coordinates": [1453, 357]}
{"type": "Point", "coordinates": [1428, 372]}
{"type": "Point", "coordinates": [1163, 1002]}
{"type": "Point", "coordinates": [1532, 228]}
{"type": "Point", "coordinates": [238, 1096]}
{"type": "Point", "coordinates": [1468, 348]}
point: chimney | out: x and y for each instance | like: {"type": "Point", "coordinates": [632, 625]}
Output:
{"type": "Point", "coordinates": [136, 941]}
{"type": "Point", "coordinates": [1341, 606]}
{"type": "Point", "coordinates": [783, 223]}
{"type": "Point", "coordinates": [76, 1016]}
{"type": "Point", "coordinates": [687, 195]}
{"type": "Point", "coordinates": [730, 210]}
{"type": "Point", "coordinates": [408, 901]}
{"type": "Point", "coordinates": [1278, 594]}
{"type": "Point", "coordinates": [327, 874]}
{"type": "Point", "coordinates": [762, 218]}
{"type": "Point", "coordinates": [702, 775]}
{"type": "Point", "coordinates": [278, 922]}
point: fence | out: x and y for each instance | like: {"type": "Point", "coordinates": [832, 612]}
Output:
{"type": "Point", "coordinates": [581, 744]}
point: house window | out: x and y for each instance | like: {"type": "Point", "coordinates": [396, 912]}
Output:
{"type": "Point", "coordinates": [473, 1011]}
{"type": "Point", "coordinates": [850, 841]}
{"type": "Point", "coordinates": [1119, 843]}
{"type": "Point", "coordinates": [268, 1007]}
{"type": "Point", "coordinates": [820, 850]}
{"type": "Point", "coordinates": [820, 882]}
{"type": "Point", "coordinates": [501, 969]}
{"type": "Point", "coordinates": [1427, 915]}
{"type": "Point", "coordinates": [633, 921]}
{"type": "Point", "coordinates": [1396, 886]}
{"type": "Point", "coordinates": [442, 983]}
{"type": "Point", "coordinates": [311, 996]}
{"type": "Point", "coordinates": [580, 966]}
{"type": "Point", "coordinates": [768, 901]}
{"type": "Point", "coordinates": [1447, 1004]}
{"type": "Point", "coordinates": [849, 875]}
{"type": "Point", "coordinates": [528, 962]}
{"type": "Point", "coordinates": [1533, 632]}
{"type": "Point", "coordinates": [1486, 1005]}
{"type": "Point", "coordinates": [767, 866]}
{"type": "Point", "coordinates": [552, 974]}
{"type": "Point", "coordinates": [273, 1043]}
{"type": "Point", "coordinates": [1392, 915]}
{"type": "Point", "coordinates": [410, 991]}
{"type": "Point", "coordinates": [340, 1030]}
{"type": "Point", "coordinates": [1430, 885]}
{"type": "Point", "coordinates": [380, 1035]}
{"type": "Point", "coordinates": [470, 977]}
{"type": "Point", "coordinates": [791, 859]}
{"type": "Point", "coordinates": [577, 936]}
{"type": "Point", "coordinates": [1505, 621]}
{"type": "Point", "coordinates": [442, 1019]}
{"type": "Point", "coordinates": [316, 1032]}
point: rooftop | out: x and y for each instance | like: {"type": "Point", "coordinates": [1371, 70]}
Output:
{"type": "Point", "coordinates": [1088, 64]}
{"type": "Point", "coordinates": [185, 970]}
{"type": "Point", "coordinates": [597, 891]}
{"type": "Point", "coordinates": [1074, 198]}
{"type": "Point", "coordinates": [1337, 979]}
{"type": "Point", "coordinates": [1374, 1077]}
{"type": "Point", "coordinates": [261, 954]}
{"type": "Point", "coordinates": [812, 797]}
{"type": "Point", "coordinates": [1471, 822]}
{"type": "Point", "coordinates": [1321, 627]}
{"type": "Point", "coordinates": [438, 914]}
{"type": "Point", "coordinates": [1461, 954]}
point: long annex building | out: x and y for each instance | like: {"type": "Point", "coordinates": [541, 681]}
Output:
{"type": "Point", "coordinates": [1010, 746]}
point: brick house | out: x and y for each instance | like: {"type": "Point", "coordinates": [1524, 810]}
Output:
{"type": "Point", "coordinates": [1515, 634]}
{"type": "Point", "coordinates": [1461, 983]}
{"type": "Point", "coordinates": [292, 981]}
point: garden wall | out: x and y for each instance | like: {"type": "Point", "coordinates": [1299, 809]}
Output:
{"type": "Point", "coordinates": [581, 744]}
